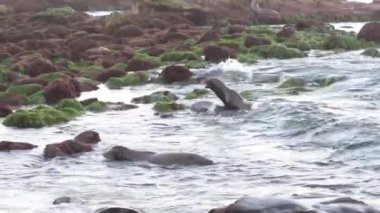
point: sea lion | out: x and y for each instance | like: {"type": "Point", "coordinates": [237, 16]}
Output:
{"type": "Point", "coordinates": [66, 148]}
{"type": "Point", "coordinates": [89, 137]}
{"type": "Point", "coordinates": [345, 205]}
{"type": "Point", "coordinates": [8, 146]}
{"type": "Point", "coordinates": [231, 99]}
{"type": "Point", "coordinates": [121, 153]}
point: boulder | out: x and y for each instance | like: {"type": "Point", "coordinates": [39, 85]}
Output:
{"type": "Point", "coordinates": [8, 146]}
{"type": "Point", "coordinates": [109, 73]}
{"type": "Point", "coordinates": [129, 31]}
{"type": "Point", "coordinates": [66, 148]}
{"type": "Point", "coordinates": [370, 32]}
{"type": "Point", "coordinates": [139, 64]}
{"type": "Point", "coordinates": [216, 54]}
{"type": "Point", "coordinates": [61, 89]}
{"type": "Point", "coordinates": [252, 40]}
{"type": "Point", "coordinates": [211, 35]}
{"type": "Point", "coordinates": [286, 32]}
{"type": "Point", "coordinates": [175, 73]}
{"type": "Point", "coordinates": [40, 66]}
{"type": "Point", "coordinates": [5, 111]}
{"type": "Point", "coordinates": [89, 137]}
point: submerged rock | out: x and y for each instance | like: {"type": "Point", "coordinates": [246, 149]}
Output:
{"type": "Point", "coordinates": [373, 52]}
{"type": "Point", "coordinates": [62, 200]}
{"type": "Point", "coordinates": [262, 205]}
{"type": "Point", "coordinates": [8, 146]}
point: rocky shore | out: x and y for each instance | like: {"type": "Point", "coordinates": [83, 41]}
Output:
{"type": "Point", "coordinates": [50, 55]}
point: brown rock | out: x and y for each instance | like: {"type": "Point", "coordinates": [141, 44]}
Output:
{"type": "Point", "coordinates": [86, 86]}
{"type": "Point", "coordinates": [175, 73]}
{"type": "Point", "coordinates": [12, 99]}
{"type": "Point", "coordinates": [40, 66]}
{"type": "Point", "coordinates": [88, 137]}
{"type": "Point", "coordinates": [5, 111]}
{"type": "Point", "coordinates": [211, 35]}
{"type": "Point", "coordinates": [286, 32]}
{"type": "Point", "coordinates": [252, 40]}
{"type": "Point", "coordinates": [129, 31]}
{"type": "Point", "coordinates": [66, 148]}
{"type": "Point", "coordinates": [216, 54]}
{"type": "Point", "coordinates": [109, 73]}
{"type": "Point", "coordinates": [8, 146]}
{"type": "Point", "coordinates": [236, 29]}
{"type": "Point", "coordinates": [370, 32]}
{"type": "Point", "coordinates": [60, 89]}
{"type": "Point", "coordinates": [140, 42]}
{"type": "Point", "coordinates": [138, 64]}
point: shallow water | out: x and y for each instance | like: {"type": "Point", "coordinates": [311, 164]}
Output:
{"type": "Point", "coordinates": [313, 146]}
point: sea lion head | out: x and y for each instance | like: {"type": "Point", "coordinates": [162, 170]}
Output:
{"type": "Point", "coordinates": [89, 137]}
{"type": "Point", "coordinates": [117, 153]}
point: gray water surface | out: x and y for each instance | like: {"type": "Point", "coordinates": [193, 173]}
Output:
{"type": "Point", "coordinates": [313, 146]}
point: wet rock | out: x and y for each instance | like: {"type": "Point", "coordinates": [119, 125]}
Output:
{"type": "Point", "coordinates": [370, 32]}
{"type": "Point", "coordinates": [62, 200]}
{"type": "Point", "coordinates": [175, 73]}
{"type": "Point", "coordinates": [373, 52]}
{"type": "Point", "coordinates": [89, 137]}
{"type": "Point", "coordinates": [253, 40]}
{"type": "Point", "coordinates": [61, 89]}
{"type": "Point", "coordinates": [25, 89]}
{"type": "Point", "coordinates": [129, 31]}
{"type": "Point", "coordinates": [12, 99]}
{"type": "Point", "coordinates": [236, 29]}
{"type": "Point", "coordinates": [8, 146]}
{"type": "Point", "coordinates": [66, 148]}
{"type": "Point", "coordinates": [109, 73]}
{"type": "Point", "coordinates": [262, 205]}
{"type": "Point", "coordinates": [196, 93]}
{"type": "Point", "coordinates": [314, 25]}
{"type": "Point", "coordinates": [345, 205]}
{"type": "Point", "coordinates": [88, 101]}
{"type": "Point", "coordinates": [286, 32]}
{"type": "Point", "coordinates": [87, 84]}
{"type": "Point", "coordinates": [78, 46]}
{"type": "Point", "coordinates": [117, 210]}
{"type": "Point", "coordinates": [138, 64]}
{"type": "Point", "coordinates": [40, 66]}
{"type": "Point", "coordinates": [140, 42]}
{"type": "Point", "coordinates": [160, 96]}
{"type": "Point", "coordinates": [211, 35]}
{"type": "Point", "coordinates": [120, 106]}
{"type": "Point", "coordinates": [216, 54]}
{"type": "Point", "coordinates": [5, 111]}
{"type": "Point", "coordinates": [202, 106]}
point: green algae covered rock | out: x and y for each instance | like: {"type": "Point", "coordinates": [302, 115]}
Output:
{"type": "Point", "coordinates": [293, 83]}
{"type": "Point", "coordinates": [165, 107]}
{"type": "Point", "coordinates": [277, 51]}
{"type": "Point", "coordinates": [373, 52]}
{"type": "Point", "coordinates": [196, 93]}
{"type": "Point", "coordinates": [25, 89]}
{"type": "Point", "coordinates": [35, 99]}
{"type": "Point", "coordinates": [161, 96]}
{"type": "Point", "coordinates": [115, 20]}
{"type": "Point", "coordinates": [61, 11]}
{"type": "Point", "coordinates": [37, 117]}
{"type": "Point", "coordinates": [344, 41]}
{"type": "Point", "coordinates": [97, 106]}
{"type": "Point", "coordinates": [131, 79]}
{"type": "Point", "coordinates": [70, 103]}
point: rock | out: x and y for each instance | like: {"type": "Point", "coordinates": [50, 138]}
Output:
{"type": "Point", "coordinates": [117, 210]}
{"type": "Point", "coordinates": [165, 107]}
{"type": "Point", "coordinates": [370, 32]}
{"type": "Point", "coordinates": [140, 42]}
{"type": "Point", "coordinates": [345, 205]}
{"type": "Point", "coordinates": [314, 25]}
{"type": "Point", "coordinates": [277, 51]}
{"type": "Point", "coordinates": [5, 111]}
{"type": "Point", "coordinates": [373, 52]}
{"type": "Point", "coordinates": [109, 73]}
{"type": "Point", "coordinates": [89, 137]}
{"type": "Point", "coordinates": [202, 106]}
{"type": "Point", "coordinates": [8, 146]}
{"type": "Point", "coordinates": [138, 64]}
{"type": "Point", "coordinates": [161, 96]}
{"type": "Point", "coordinates": [40, 66]}
{"type": "Point", "coordinates": [180, 56]}
{"type": "Point", "coordinates": [77, 46]}
{"type": "Point", "coordinates": [216, 54]}
{"type": "Point", "coordinates": [176, 73]}
{"type": "Point", "coordinates": [25, 89]}
{"type": "Point", "coordinates": [262, 205]}
{"type": "Point", "coordinates": [173, 36]}
{"type": "Point", "coordinates": [154, 51]}
{"type": "Point", "coordinates": [211, 35]}
{"type": "Point", "coordinates": [12, 99]}
{"type": "Point", "coordinates": [129, 31]}
{"type": "Point", "coordinates": [61, 89]}
{"type": "Point", "coordinates": [62, 200]}
{"type": "Point", "coordinates": [196, 93]}
{"type": "Point", "coordinates": [287, 32]}
{"type": "Point", "coordinates": [66, 148]}
{"type": "Point", "coordinates": [38, 81]}
{"type": "Point", "coordinates": [87, 84]}
{"type": "Point", "coordinates": [236, 29]}
{"type": "Point", "coordinates": [252, 40]}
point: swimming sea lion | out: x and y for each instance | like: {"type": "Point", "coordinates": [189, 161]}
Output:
{"type": "Point", "coordinates": [89, 137]}
{"type": "Point", "coordinates": [121, 153]}
{"type": "Point", "coordinates": [231, 99]}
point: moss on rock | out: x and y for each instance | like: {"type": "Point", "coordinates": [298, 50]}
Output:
{"type": "Point", "coordinates": [97, 106]}
{"type": "Point", "coordinates": [277, 51]}
{"type": "Point", "coordinates": [373, 52]}
{"type": "Point", "coordinates": [196, 93]}
{"type": "Point", "coordinates": [35, 99]}
{"type": "Point", "coordinates": [37, 117]}
{"type": "Point", "coordinates": [25, 89]}
{"type": "Point", "coordinates": [70, 103]}
{"type": "Point", "coordinates": [292, 83]}
{"type": "Point", "coordinates": [131, 79]}
{"type": "Point", "coordinates": [161, 96]}
{"type": "Point", "coordinates": [344, 41]}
